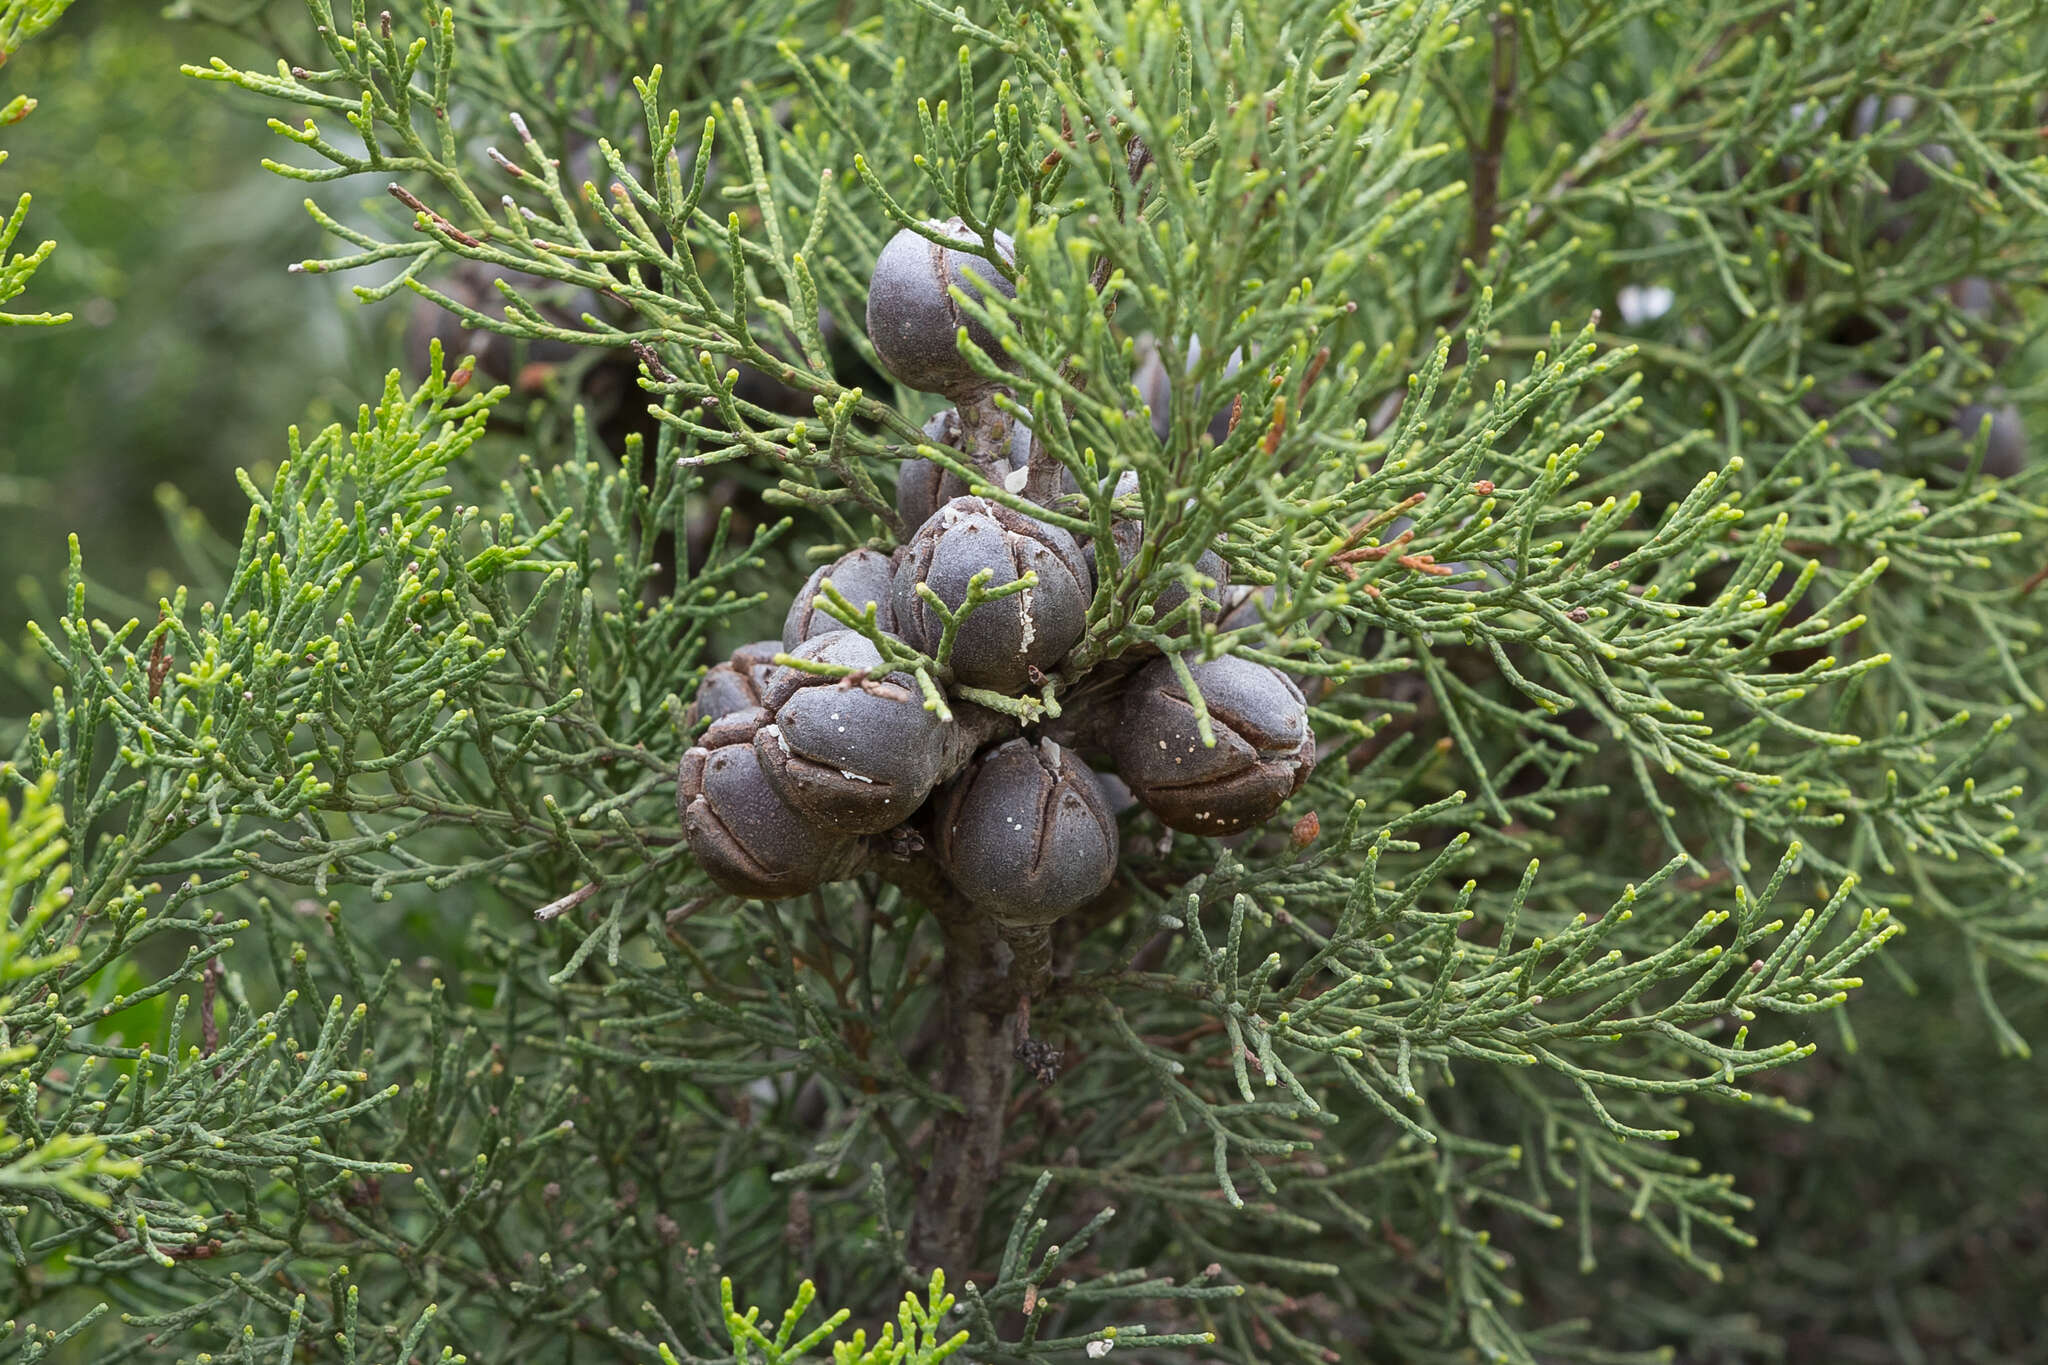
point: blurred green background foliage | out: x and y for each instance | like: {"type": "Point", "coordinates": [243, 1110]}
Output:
{"type": "Point", "coordinates": [190, 350]}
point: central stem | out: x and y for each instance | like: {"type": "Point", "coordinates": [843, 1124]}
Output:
{"type": "Point", "coordinates": [1030, 956]}
{"type": "Point", "coordinates": [980, 997]}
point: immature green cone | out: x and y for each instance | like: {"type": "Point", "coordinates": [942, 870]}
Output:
{"type": "Point", "coordinates": [1264, 749]}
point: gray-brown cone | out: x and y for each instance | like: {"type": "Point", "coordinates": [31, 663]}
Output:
{"type": "Point", "coordinates": [854, 755]}
{"type": "Point", "coordinates": [1001, 641]}
{"type": "Point", "coordinates": [862, 577]}
{"type": "Point", "coordinates": [1247, 609]}
{"type": "Point", "coordinates": [2005, 448]}
{"type": "Point", "coordinates": [1025, 834]}
{"type": "Point", "coordinates": [1264, 750]}
{"type": "Point", "coordinates": [735, 685]}
{"type": "Point", "coordinates": [744, 836]}
{"type": "Point", "coordinates": [913, 319]}
{"type": "Point", "coordinates": [500, 359]}
{"type": "Point", "coordinates": [1155, 386]}
{"type": "Point", "coordinates": [1129, 536]}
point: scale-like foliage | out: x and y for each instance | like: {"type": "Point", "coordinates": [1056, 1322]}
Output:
{"type": "Point", "coordinates": [1676, 664]}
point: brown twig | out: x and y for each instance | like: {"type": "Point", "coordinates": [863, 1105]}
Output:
{"type": "Point", "coordinates": [159, 663]}
{"type": "Point", "coordinates": [412, 201]}
{"type": "Point", "coordinates": [1315, 370]}
{"type": "Point", "coordinates": [209, 1027]}
{"type": "Point", "coordinates": [652, 360]}
{"type": "Point", "coordinates": [1486, 158]}
{"type": "Point", "coordinates": [1277, 427]}
{"type": "Point", "coordinates": [966, 1147]}
{"type": "Point", "coordinates": [555, 909]}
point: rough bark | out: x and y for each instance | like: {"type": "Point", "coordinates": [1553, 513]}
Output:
{"type": "Point", "coordinates": [979, 999]}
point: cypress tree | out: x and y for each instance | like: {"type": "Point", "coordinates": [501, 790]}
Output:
{"type": "Point", "coordinates": [1421, 590]}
